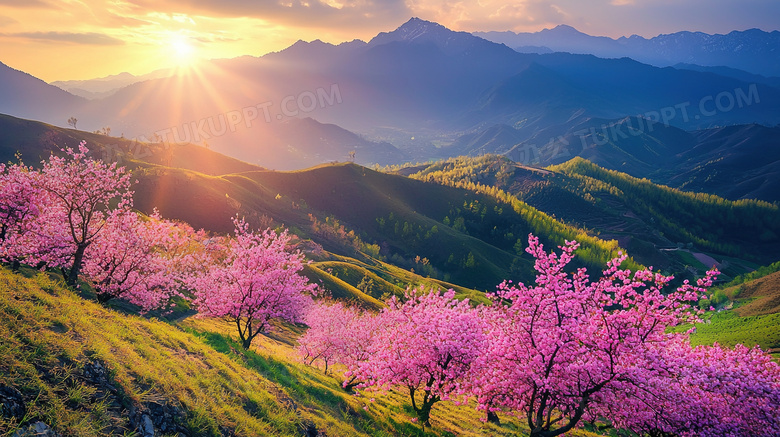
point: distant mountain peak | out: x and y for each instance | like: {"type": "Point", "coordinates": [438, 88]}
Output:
{"type": "Point", "coordinates": [451, 42]}
{"type": "Point", "coordinates": [412, 30]}
{"type": "Point", "coordinates": [564, 28]}
{"type": "Point", "coordinates": [417, 26]}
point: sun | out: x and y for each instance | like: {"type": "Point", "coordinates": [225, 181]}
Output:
{"type": "Point", "coordinates": [181, 49]}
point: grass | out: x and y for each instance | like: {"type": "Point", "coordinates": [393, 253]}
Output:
{"type": "Point", "coordinates": [50, 334]}
{"type": "Point", "coordinates": [339, 289]}
{"type": "Point", "coordinates": [752, 318]}
{"type": "Point", "coordinates": [50, 337]}
{"type": "Point", "coordinates": [729, 329]}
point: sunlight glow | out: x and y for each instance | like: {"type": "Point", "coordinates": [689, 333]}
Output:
{"type": "Point", "coordinates": [181, 49]}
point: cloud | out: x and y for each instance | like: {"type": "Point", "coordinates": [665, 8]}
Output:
{"type": "Point", "coordinates": [354, 14]}
{"type": "Point", "coordinates": [489, 14]}
{"type": "Point", "coordinates": [5, 21]}
{"type": "Point", "coordinates": [88, 38]}
{"type": "Point", "coordinates": [208, 39]}
{"type": "Point", "coordinates": [25, 3]}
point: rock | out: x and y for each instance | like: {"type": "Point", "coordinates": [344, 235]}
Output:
{"type": "Point", "coordinates": [309, 429]}
{"type": "Point", "coordinates": [147, 426]}
{"type": "Point", "coordinates": [156, 418]}
{"type": "Point", "coordinates": [37, 429]}
{"type": "Point", "coordinates": [11, 403]}
{"type": "Point", "coordinates": [96, 373]}
{"type": "Point", "coordinates": [166, 417]}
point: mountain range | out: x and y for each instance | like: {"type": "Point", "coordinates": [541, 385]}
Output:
{"type": "Point", "coordinates": [423, 92]}
{"type": "Point", "coordinates": [752, 50]}
{"type": "Point", "coordinates": [105, 86]}
{"type": "Point", "coordinates": [405, 94]}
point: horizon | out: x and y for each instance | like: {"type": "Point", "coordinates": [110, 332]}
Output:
{"type": "Point", "coordinates": [336, 43]}
{"type": "Point", "coordinates": [95, 38]}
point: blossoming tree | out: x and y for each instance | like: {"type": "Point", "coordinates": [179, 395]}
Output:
{"type": "Point", "coordinates": [569, 349]}
{"type": "Point", "coordinates": [21, 202]}
{"type": "Point", "coordinates": [130, 260]}
{"type": "Point", "coordinates": [87, 191]}
{"type": "Point", "coordinates": [254, 278]}
{"type": "Point", "coordinates": [338, 334]}
{"type": "Point", "coordinates": [425, 345]}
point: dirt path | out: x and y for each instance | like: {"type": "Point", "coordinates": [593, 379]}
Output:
{"type": "Point", "coordinates": [707, 260]}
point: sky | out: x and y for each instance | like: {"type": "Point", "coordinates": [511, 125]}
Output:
{"type": "Point", "coordinates": [84, 39]}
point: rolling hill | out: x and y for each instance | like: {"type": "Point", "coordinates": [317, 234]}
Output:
{"type": "Point", "coordinates": [735, 162]}
{"type": "Point", "coordinates": [659, 226]}
{"type": "Point", "coordinates": [387, 224]}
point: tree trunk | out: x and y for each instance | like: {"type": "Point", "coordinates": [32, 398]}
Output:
{"type": "Point", "coordinates": [78, 259]}
{"type": "Point", "coordinates": [424, 411]}
{"type": "Point", "coordinates": [492, 417]}
{"type": "Point", "coordinates": [102, 297]}
{"type": "Point", "coordinates": [351, 384]}
{"type": "Point", "coordinates": [15, 264]}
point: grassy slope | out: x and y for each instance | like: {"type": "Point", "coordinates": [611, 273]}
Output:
{"type": "Point", "coordinates": [754, 319]}
{"type": "Point", "coordinates": [728, 328]}
{"type": "Point", "coordinates": [51, 335]}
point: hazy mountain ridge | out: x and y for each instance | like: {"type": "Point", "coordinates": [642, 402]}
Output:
{"type": "Point", "coordinates": [26, 96]}
{"type": "Point", "coordinates": [732, 72]}
{"type": "Point", "coordinates": [751, 50]}
{"type": "Point", "coordinates": [105, 86]}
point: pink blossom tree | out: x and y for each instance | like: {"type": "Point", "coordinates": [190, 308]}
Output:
{"type": "Point", "coordinates": [338, 334]}
{"type": "Point", "coordinates": [328, 333]}
{"type": "Point", "coordinates": [426, 345]}
{"type": "Point", "coordinates": [703, 391]}
{"type": "Point", "coordinates": [31, 223]}
{"type": "Point", "coordinates": [252, 279]}
{"type": "Point", "coordinates": [87, 191]}
{"type": "Point", "coordinates": [569, 349]}
{"type": "Point", "coordinates": [129, 260]}
{"type": "Point", "coordinates": [20, 205]}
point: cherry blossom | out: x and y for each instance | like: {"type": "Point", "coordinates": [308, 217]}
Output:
{"type": "Point", "coordinates": [426, 346]}
{"type": "Point", "coordinates": [253, 278]}
{"type": "Point", "coordinates": [87, 191]}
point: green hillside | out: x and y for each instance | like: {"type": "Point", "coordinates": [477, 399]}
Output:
{"type": "Point", "coordinates": [743, 228]}
{"type": "Point", "coordinates": [748, 312]}
{"type": "Point", "coordinates": [675, 231]}
{"type": "Point", "coordinates": [85, 370]}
